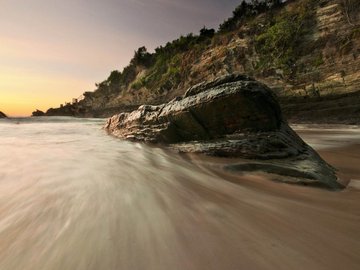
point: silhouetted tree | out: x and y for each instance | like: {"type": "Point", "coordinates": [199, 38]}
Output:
{"type": "Point", "coordinates": [207, 33]}
{"type": "Point", "coordinates": [141, 57]}
{"type": "Point", "coordinates": [248, 9]}
{"type": "Point", "coordinates": [274, 3]}
{"type": "Point", "coordinates": [114, 78]}
{"type": "Point", "coordinates": [102, 84]}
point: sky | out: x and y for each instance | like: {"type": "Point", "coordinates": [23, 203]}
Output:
{"type": "Point", "coordinates": [54, 50]}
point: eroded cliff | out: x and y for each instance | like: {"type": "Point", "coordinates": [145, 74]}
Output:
{"type": "Point", "coordinates": [302, 49]}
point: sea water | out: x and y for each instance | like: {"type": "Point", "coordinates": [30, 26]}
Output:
{"type": "Point", "coordinates": [73, 197]}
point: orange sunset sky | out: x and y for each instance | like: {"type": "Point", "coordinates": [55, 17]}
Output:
{"type": "Point", "coordinates": [52, 51]}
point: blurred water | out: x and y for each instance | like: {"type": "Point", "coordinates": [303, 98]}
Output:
{"type": "Point", "coordinates": [72, 197]}
{"type": "Point", "coordinates": [328, 136]}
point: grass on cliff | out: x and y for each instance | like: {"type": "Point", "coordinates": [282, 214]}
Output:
{"type": "Point", "coordinates": [278, 43]}
{"type": "Point", "coordinates": [166, 68]}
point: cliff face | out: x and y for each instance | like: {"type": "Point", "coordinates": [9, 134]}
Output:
{"type": "Point", "coordinates": [305, 48]}
{"type": "Point", "coordinates": [327, 53]}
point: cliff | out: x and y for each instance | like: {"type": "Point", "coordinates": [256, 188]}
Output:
{"type": "Point", "coordinates": [303, 49]}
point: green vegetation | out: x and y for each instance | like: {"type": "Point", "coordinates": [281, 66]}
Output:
{"type": "Point", "coordinates": [318, 61]}
{"type": "Point", "coordinates": [273, 43]}
{"type": "Point", "coordinates": [165, 74]}
{"type": "Point", "coordinates": [163, 67]}
{"type": "Point", "coordinates": [142, 58]}
{"type": "Point", "coordinates": [278, 44]}
{"type": "Point", "coordinates": [246, 10]}
{"type": "Point", "coordinates": [114, 78]}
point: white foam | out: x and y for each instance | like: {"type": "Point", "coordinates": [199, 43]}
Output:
{"type": "Point", "coordinates": [354, 183]}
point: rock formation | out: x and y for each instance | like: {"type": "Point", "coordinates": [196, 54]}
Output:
{"type": "Point", "coordinates": [2, 115]}
{"type": "Point", "coordinates": [232, 116]}
{"type": "Point", "coordinates": [38, 113]}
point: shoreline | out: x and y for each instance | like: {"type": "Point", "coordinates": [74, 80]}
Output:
{"type": "Point", "coordinates": [330, 109]}
{"type": "Point", "coordinates": [124, 199]}
{"type": "Point", "coordinates": [342, 108]}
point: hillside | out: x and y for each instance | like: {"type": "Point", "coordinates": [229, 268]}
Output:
{"type": "Point", "coordinates": [305, 50]}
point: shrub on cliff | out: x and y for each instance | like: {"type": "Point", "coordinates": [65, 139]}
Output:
{"type": "Point", "coordinates": [206, 33]}
{"type": "Point", "coordinates": [246, 10]}
{"type": "Point", "coordinates": [142, 57]}
{"type": "Point", "coordinates": [279, 44]}
{"type": "Point", "coordinates": [276, 44]}
{"type": "Point", "coordinates": [114, 77]}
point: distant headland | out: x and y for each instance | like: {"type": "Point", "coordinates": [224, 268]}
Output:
{"type": "Point", "coordinates": [2, 115]}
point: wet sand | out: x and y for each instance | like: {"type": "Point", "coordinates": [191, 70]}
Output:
{"type": "Point", "coordinates": [147, 208]}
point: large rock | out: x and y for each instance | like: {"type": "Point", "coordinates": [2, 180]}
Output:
{"type": "Point", "coordinates": [233, 116]}
{"type": "Point", "coordinates": [2, 115]}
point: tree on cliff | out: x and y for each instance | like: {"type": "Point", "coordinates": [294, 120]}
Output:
{"type": "Point", "coordinates": [274, 3]}
{"type": "Point", "coordinates": [239, 12]}
{"type": "Point", "coordinates": [246, 10]}
{"type": "Point", "coordinates": [141, 57]}
{"type": "Point", "coordinates": [206, 33]}
{"type": "Point", "coordinates": [114, 78]}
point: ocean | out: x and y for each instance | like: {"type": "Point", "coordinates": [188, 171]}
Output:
{"type": "Point", "coordinates": [73, 197]}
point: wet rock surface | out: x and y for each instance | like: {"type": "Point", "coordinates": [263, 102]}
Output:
{"type": "Point", "coordinates": [232, 116]}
